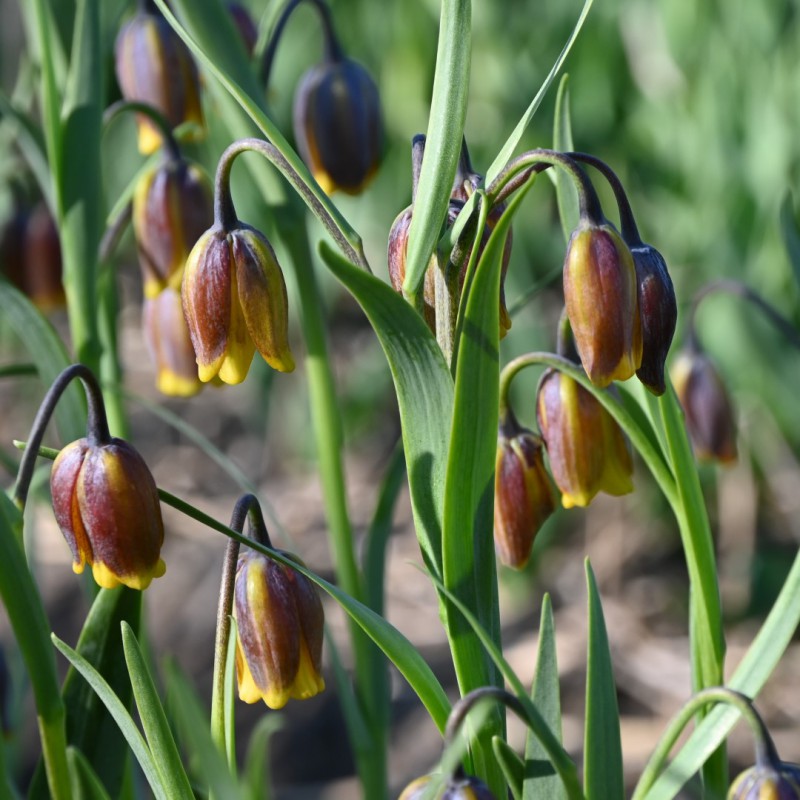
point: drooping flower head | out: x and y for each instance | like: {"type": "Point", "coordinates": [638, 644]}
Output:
{"type": "Point", "coordinates": [279, 621]}
{"type": "Point", "coordinates": [155, 67]}
{"type": "Point", "coordinates": [106, 503]}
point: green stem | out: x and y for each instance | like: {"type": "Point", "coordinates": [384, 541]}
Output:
{"type": "Point", "coordinates": [329, 438]}
{"type": "Point", "coordinates": [765, 748]}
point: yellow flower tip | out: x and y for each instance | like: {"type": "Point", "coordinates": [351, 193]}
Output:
{"type": "Point", "coordinates": [235, 365]}
{"type": "Point", "coordinates": [149, 138]}
{"type": "Point", "coordinates": [579, 499]}
{"type": "Point", "coordinates": [325, 182]}
{"type": "Point", "coordinates": [174, 385]}
{"type": "Point", "coordinates": [78, 567]}
{"type": "Point", "coordinates": [107, 579]}
{"type": "Point", "coordinates": [152, 288]}
{"type": "Point", "coordinates": [308, 682]}
{"type": "Point", "coordinates": [283, 362]}
{"type": "Point", "coordinates": [248, 691]}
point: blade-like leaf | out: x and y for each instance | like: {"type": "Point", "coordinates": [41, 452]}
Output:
{"type": "Point", "coordinates": [443, 138]}
{"type": "Point", "coordinates": [512, 765]}
{"type": "Point", "coordinates": [154, 721]}
{"type": "Point", "coordinates": [256, 762]}
{"type": "Point", "coordinates": [562, 141]}
{"type": "Point", "coordinates": [791, 235]}
{"type": "Point", "coordinates": [540, 777]}
{"type": "Point", "coordinates": [47, 351]}
{"type": "Point", "coordinates": [90, 728]}
{"type": "Point", "coordinates": [85, 783]}
{"type": "Point", "coordinates": [424, 394]}
{"type": "Point", "coordinates": [192, 724]}
{"type": "Point", "coordinates": [602, 750]}
{"type": "Point", "coordinates": [121, 716]}
{"type": "Point", "coordinates": [749, 677]}
{"type": "Point", "coordinates": [513, 140]}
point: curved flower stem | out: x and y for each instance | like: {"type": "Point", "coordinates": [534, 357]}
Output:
{"type": "Point", "coordinates": [739, 289]}
{"type": "Point", "coordinates": [765, 747]}
{"type": "Point", "coordinates": [225, 214]}
{"type": "Point", "coordinates": [333, 50]}
{"type": "Point", "coordinates": [171, 148]}
{"type": "Point", "coordinates": [539, 160]}
{"type": "Point", "coordinates": [97, 424]}
{"type": "Point", "coordinates": [246, 508]}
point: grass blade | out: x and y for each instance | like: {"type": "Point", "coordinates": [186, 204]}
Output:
{"type": "Point", "coordinates": [512, 765]}
{"type": "Point", "coordinates": [562, 141]}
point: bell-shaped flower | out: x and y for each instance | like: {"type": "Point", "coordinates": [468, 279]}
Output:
{"type": "Point", "coordinates": [172, 208]}
{"type": "Point", "coordinates": [154, 67]}
{"type": "Point", "coordinates": [167, 337]}
{"type": "Point", "coordinates": [234, 301]}
{"type": "Point", "coordinates": [106, 503]}
{"type": "Point", "coordinates": [778, 781]}
{"type": "Point", "coordinates": [460, 787]}
{"type": "Point", "coordinates": [710, 420]}
{"type": "Point", "coordinates": [523, 495]}
{"type": "Point", "coordinates": [658, 312]}
{"type": "Point", "coordinates": [586, 447]}
{"type": "Point", "coordinates": [600, 293]}
{"type": "Point", "coordinates": [338, 125]}
{"type": "Point", "coordinates": [280, 622]}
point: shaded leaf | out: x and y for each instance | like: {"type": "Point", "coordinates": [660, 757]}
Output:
{"type": "Point", "coordinates": [562, 142]}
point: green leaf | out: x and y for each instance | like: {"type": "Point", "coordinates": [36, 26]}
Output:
{"type": "Point", "coordinates": [562, 142]}
{"type": "Point", "coordinates": [192, 724]}
{"type": "Point", "coordinates": [424, 391]}
{"type": "Point", "coordinates": [85, 783]}
{"type": "Point", "coordinates": [602, 750]}
{"type": "Point", "coordinates": [443, 138]}
{"type": "Point", "coordinates": [47, 351]}
{"type": "Point", "coordinates": [90, 728]}
{"type": "Point", "coordinates": [256, 762]}
{"type": "Point", "coordinates": [154, 721]}
{"type": "Point", "coordinates": [513, 140]}
{"type": "Point", "coordinates": [120, 714]}
{"type": "Point", "coordinates": [749, 678]}
{"type": "Point", "coordinates": [564, 765]}
{"type": "Point", "coordinates": [31, 633]}
{"type": "Point", "coordinates": [512, 765]}
{"type": "Point", "coordinates": [541, 779]}
{"type": "Point", "coordinates": [398, 649]}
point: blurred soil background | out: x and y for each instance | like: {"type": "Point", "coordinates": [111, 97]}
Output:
{"type": "Point", "coordinates": [697, 106]}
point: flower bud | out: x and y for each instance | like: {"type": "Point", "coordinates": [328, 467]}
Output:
{"type": "Point", "coordinates": [587, 450]}
{"type": "Point", "coordinates": [397, 254]}
{"type": "Point", "coordinates": [706, 406]}
{"type": "Point", "coordinates": [601, 299]}
{"type": "Point", "coordinates": [457, 788]}
{"type": "Point", "coordinates": [172, 208]}
{"type": "Point", "coordinates": [43, 267]}
{"type": "Point", "coordinates": [12, 250]}
{"type": "Point", "coordinates": [280, 622]}
{"type": "Point", "coordinates": [169, 344]}
{"type": "Point", "coordinates": [154, 67]}
{"type": "Point", "coordinates": [523, 495]}
{"type": "Point", "coordinates": [658, 312]}
{"type": "Point", "coordinates": [106, 503]}
{"type": "Point", "coordinates": [780, 781]}
{"type": "Point", "coordinates": [338, 126]}
{"type": "Point", "coordinates": [234, 301]}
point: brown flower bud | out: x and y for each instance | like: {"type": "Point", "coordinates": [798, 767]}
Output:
{"type": "Point", "coordinates": [245, 25]}
{"type": "Point", "coordinates": [601, 299]}
{"type": "Point", "coordinates": [523, 495]}
{"type": "Point", "coordinates": [280, 623]}
{"type": "Point", "coordinates": [587, 450]}
{"type": "Point", "coordinates": [707, 408]}
{"type": "Point", "coordinates": [106, 504]}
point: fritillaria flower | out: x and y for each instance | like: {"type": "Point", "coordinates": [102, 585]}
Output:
{"type": "Point", "coordinates": [458, 788]}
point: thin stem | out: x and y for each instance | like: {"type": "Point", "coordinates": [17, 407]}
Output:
{"type": "Point", "coordinates": [333, 50]}
{"type": "Point", "coordinates": [171, 148]}
{"type": "Point", "coordinates": [540, 159]}
{"type": "Point", "coordinates": [113, 233]}
{"type": "Point", "coordinates": [739, 289]}
{"type": "Point", "coordinates": [630, 232]}
{"type": "Point", "coordinates": [765, 747]}
{"type": "Point", "coordinates": [225, 214]}
{"type": "Point", "coordinates": [417, 154]}
{"type": "Point", "coordinates": [97, 425]}
{"type": "Point", "coordinates": [471, 699]}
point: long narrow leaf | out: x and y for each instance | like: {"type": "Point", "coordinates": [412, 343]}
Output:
{"type": "Point", "coordinates": [424, 394]}
{"type": "Point", "coordinates": [443, 138]}
{"type": "Point", "coordinates": [512, 765]}
{"type": "Point", "coordinates": [120, 714]}
{"type": "Point", "coordinates": [85, 783]}
{"type": "Point", "coordinates": [602, 750]}
{"type": "Point", "coordinates": [540, 777]}
{"type": "Point", "coordinates": [256, 762]}
{"type": "Point", "coordinates": [749, 677]}
{"type": "Point", "coordinates": [513, 140]}
{"type": "Point", "coordinates": [562, 141]}
{"type": "Point", "coordinates": [154, 721]}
